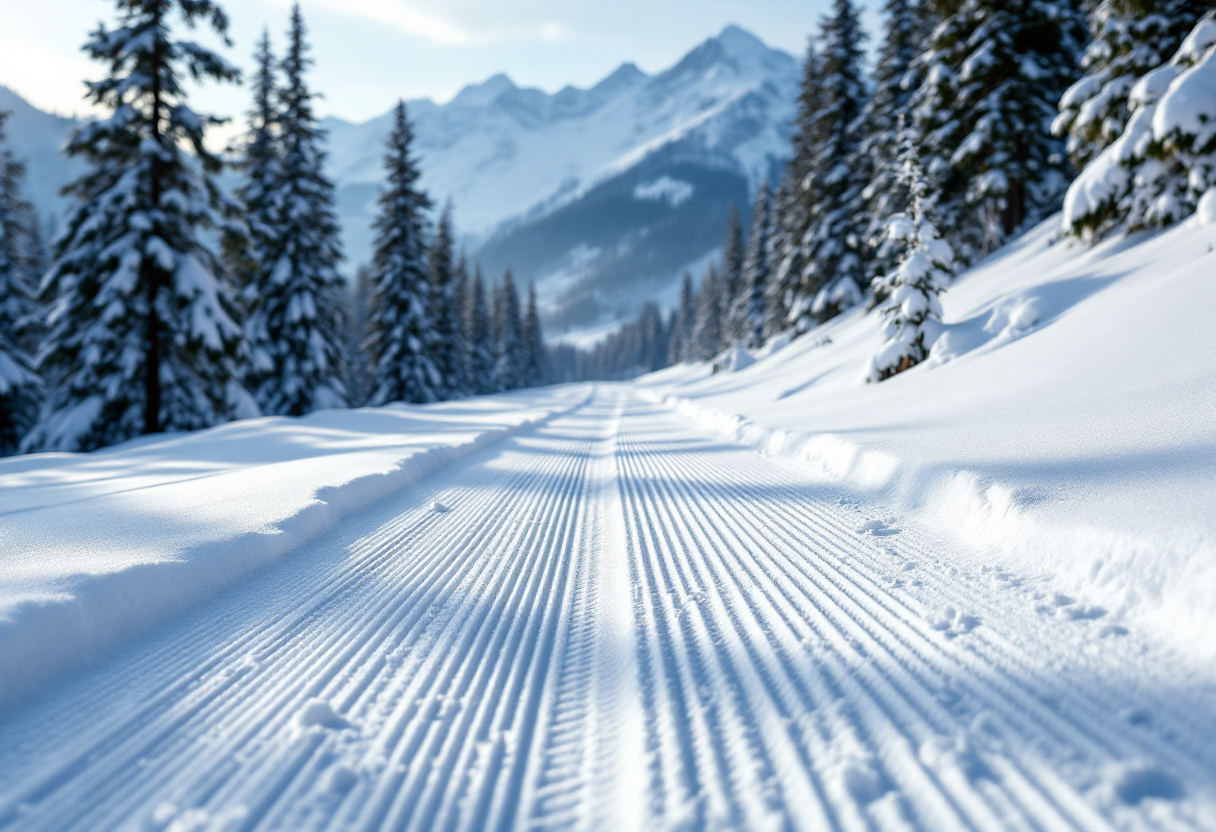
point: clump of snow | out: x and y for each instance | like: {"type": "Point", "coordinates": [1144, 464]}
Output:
{"type": "Point", "coordinates": [674, 192]}
{"type": "Point", "coordinates": [318, 712]}
{"type": "Point", "coordinates": [1207, 208]}
{"type": "Point", "coordinates": [734, 359]}
{"type": "Point", "coordinates": [439, 508]}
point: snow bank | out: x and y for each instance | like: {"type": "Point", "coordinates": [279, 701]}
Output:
{"type": "Point", "coordinates": [1065, 425]}
{"type": "Point", "coordinates": [95, 548]}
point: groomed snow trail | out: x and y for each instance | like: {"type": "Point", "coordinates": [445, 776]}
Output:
{"type": "Point", "coordinates": [618, 622]}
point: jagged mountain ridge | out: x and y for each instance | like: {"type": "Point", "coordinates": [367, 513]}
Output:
{"type": "Point", "coordinates": [602, 195]}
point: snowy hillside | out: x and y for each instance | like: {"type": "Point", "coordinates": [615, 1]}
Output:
{"type": "Point", "coordinates": [1064, 427]}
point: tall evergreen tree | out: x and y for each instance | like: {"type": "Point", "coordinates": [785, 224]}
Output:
{"type": "Point", "coordinates": [834, 244]}
{"type": "Point", "coordinates": [681, 346]}
{"type": "Point", "coordinates": [983, 114]}
{"type": "Point", "coordinates": [793, 202]}
{"type": "Point", "coordinates": [463, 385]}
{"type": "Point", "coordinates": [250, 258]}
{"type": "Point", "coordinates": [707, 329]}
{"type": "Point", "coordinates": [508, 337]}
{"type": "Point", "coordinates": [20, 386]}
{"type": "Point", "coordinates": [401, 332]}
{"type": "Point", "coordinates": [447, 351]}
{"type": "Point", "coordinates": [750, 307]}
{"type": "Point", "coordinates": [885, 116]}
{"type": "Point", "coordinates": [534, 370]}
{"type": "Point", "coordinates": [142, 338]}
{"type": "Point", "coordinates": [732, 273]}
{"type": "Point", "coordinates": [1130, 38]}
{"type": "Point", "coordinates": [479, 344]}
{"type": "Point", "coordinates": [295, 322]}
{"type": "Point", "coordinates": [785, 252]}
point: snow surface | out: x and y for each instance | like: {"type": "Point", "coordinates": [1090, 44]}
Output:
{"type": "Point", "coordinates": [974, 596]}
{"type": "Point", "coordinates": [1064, 425]}
{"type": "Point", "coordinates": [623, 622]}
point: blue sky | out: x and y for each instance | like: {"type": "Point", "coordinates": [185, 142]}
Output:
{"type": "Point", "coordinates": [370, 52]}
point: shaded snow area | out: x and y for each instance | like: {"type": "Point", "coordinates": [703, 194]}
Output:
{"type": "Point", "coordinates": [975, 596]}
{"type": "Point", "coordinates": [96, 547]}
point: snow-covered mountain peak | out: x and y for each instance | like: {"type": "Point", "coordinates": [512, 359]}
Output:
{"type": "Point", "coordinates": [485, 93]}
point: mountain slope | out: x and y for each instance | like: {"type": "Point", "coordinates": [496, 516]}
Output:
{"type": "Point", "coordinates": [602, 195]}
{"type": "Point", "coordinates": [36, 138]}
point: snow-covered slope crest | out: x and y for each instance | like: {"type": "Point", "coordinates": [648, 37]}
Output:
{"type": "Point", "coordinates": [95, 548]}
{"type": "Point", "coordinates": [1065, 427]}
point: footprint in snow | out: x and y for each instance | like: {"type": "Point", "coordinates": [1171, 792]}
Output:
{"type": "Point", "coordinates": [1063, 606]}
{"type": "Point", "coordinates": [952, 622]}
{"type": "Point", "coordinates": [1134, 782]}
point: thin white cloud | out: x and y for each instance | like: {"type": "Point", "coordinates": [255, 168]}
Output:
{"type": "Point", "coordinates": [408, 17]}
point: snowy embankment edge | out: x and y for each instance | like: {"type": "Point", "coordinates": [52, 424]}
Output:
{"type": "Point", "coordinates": [1163, 585]}
{"type": "Point", "coordinates": [40, 641]}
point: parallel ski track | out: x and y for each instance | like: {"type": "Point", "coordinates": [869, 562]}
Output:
{"type": "Point", "coordinates": [433, 640]}
{"type": "Point", "coordinates": [812, 691]}
{"type": "Point", "coordinates": [620, 624]}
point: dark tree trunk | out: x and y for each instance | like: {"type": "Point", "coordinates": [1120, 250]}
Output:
{"type": "Point", "coordinates": [1015, 206]}
{"type": "Point", "coordinates": [151, 273]}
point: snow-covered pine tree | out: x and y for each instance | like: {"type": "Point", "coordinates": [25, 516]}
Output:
{"type": "Point", "coordinates": [1130, 37]}
{"type": "Point", "coordinates": [732, 275]}
{"type": "Point", "coordinates": [20, 386]}
{"type": "Point", "coordinates": [447, 352]}
{"type": "Point", "coordinates": [508, 337]}
{"type": "Point", "coordinates": [785, 254]}
{"type": "Point", "coordinates": [680, 349]}
{"type": "Point", "coordinates": [295, 326]}
{"type": "Point", "coordinates": [479, 344]}
{"type": "Point", "coordinates": [707, 331]}
{"type": "Point", "coordinates": [983, 113]}
{"type": "Point", "coordinates": [748, 314]}
{"type": "Point", "coordinates": [881, 124]}
{"type": "Point", "coordinates": [459, 298]}
{"type": "Point", "coordinates": [1164, 164]}
{"type": "Point", "coordinates": [912, 311]}
{"type": "Point", "coordinates": [792, 204]}
{"type": "Point", "coordinates": [834, 244]}
{"type": "Point", "coordinates": [401, 328]}
{"type": "Point", "coordinates": [250, 259]}
{"type": "Point", "coordinates": [534, 371]}
{"type": "Point", "coordinates": [141, 337]}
